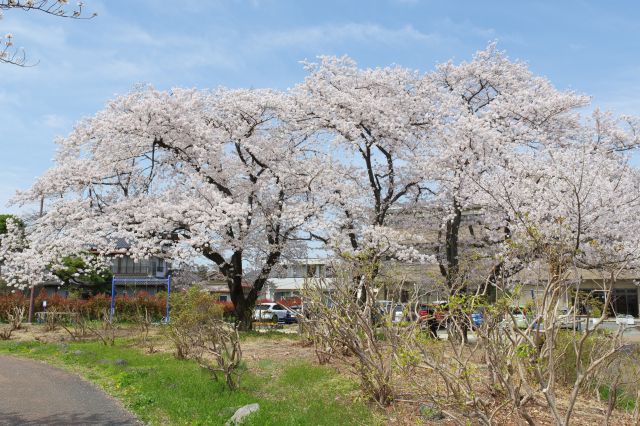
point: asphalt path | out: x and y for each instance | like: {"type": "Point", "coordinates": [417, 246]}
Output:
{"type": "Point", "coordinates": [34, 393]}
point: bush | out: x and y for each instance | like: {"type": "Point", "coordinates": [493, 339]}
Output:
{"type": "Point", "coordinates": [228, 309]}
{"type": "Point", "coordinates": [198, 332]}
{"type": "Point", "coordinates": [189, 310]}
{"type": "Point", "coordinates": [127, 307]}
{"type": "Point", "coordinates": [565, 355]}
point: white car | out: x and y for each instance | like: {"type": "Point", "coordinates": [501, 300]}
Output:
{"type": "Point", "coordinates": [625, 320]}
{"type": "Point", "coordinates": [271, 312]}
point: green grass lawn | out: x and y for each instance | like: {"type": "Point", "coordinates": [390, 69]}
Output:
{"type": "Point", "coordinates": [160, 389]}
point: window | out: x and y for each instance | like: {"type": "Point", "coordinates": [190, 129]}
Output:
{"type": "Point", "coordinates": [223, 298]}
{"type": "Point", "coordinates": [128, 262]}
{"type": "Point", "coordinates": [312, 271]}
{"type": "Point", "coordinates": [281, 295]}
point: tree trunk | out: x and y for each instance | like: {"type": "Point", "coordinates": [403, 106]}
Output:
{"type": "Point", "coordinates": [232, 270]}
{"type": "Point", "coordinates": [244, 314]}
{"type": "Point", "coordinates": [450, 269]}
{"type": "Point", "coordinates": [243, 305]}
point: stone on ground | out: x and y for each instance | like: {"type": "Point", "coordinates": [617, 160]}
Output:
{"type": "Point", "coordinates": [241, 413]}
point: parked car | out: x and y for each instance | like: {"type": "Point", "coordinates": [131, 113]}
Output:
{"type": "Point", "coordinates": [406, 312]}
{"type": "Point", "coordinates": [297, 312]}
{"type": "Point", "coordinates": [272, 312]}
{"type": "Point", "coordinates": [625, 320]}
{"type": "Point", "coordinates": [398, 313]}
{"type": "Point", "coordinates": [572, 322]}
{"type": "Point", "coordinates": [380, 311]}
{"type": "Point", "coordinates": [425, 310]}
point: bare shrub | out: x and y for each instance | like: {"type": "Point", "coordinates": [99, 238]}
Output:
{"type": "Point", "coordinates": [6, 332]}
{"type": "Point", "coordinates": [76, 326]}
{"type": "Point", "coordinates": [457, 384]}
{"type": "Point", "coordinates": [544, 355]}
{"type": "Point", "coordinates": [15, 317]}
{"type": "Point", "coordinates": [345, 322]}
{"type": "Point", "coordinates": [105, 330]}
{"type": "Point", "coordinates": [198, 332]}
{"type": "Point", "coordinates": [143, 321]}
{"type": "Point", "coordinates": [190, 309]}
{"type": "Point", "coordinates": [51, 319]}
{"type": "Point", "coordinates": [219, 350]}
{"type": "Point", "coordinates": [617, 383]}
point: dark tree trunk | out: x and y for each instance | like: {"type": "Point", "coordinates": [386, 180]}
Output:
{"type": "Point", "coordinates": [244, 302]}
{"type": "Point", "coordinates": [450, 267]}
{"type": "Point", "coordinates": [243, 305]}
{"type": "Point", "coordinates": [243, 310]}
{"type": "Point", "coordinates": [452, 249]}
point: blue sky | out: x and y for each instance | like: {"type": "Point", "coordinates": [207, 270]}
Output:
{"type": "Point", "coordinates": [588, 46]}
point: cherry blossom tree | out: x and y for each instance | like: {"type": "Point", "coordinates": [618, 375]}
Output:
{"type": "Point", "coordinates": [574, 206]}
{"type": "Point", "coordinates": [369, 123]}
{"type": "Point", "coordinates": [60, 8]}
{"type": "Point", "coordinates": [570, 207]}
{"type": "Point", "coordinates": [496, 107]}
{"type": "Point", "coordinates": [185, 173]}
{"type": "Point", "coordinates": [4, 218]}
{"type": "Point", "coordinates": [22, 264]}
{"type": "Point", "coordinates": [402, 142]}
{"type": "Point", "coordinates": [239, 176]}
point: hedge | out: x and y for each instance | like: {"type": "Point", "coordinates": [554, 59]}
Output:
{"type": "Point", "coordinates": [127, 307]}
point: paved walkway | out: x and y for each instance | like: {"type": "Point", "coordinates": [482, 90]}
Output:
{"type": "Point", "coordinates": [33, 393]}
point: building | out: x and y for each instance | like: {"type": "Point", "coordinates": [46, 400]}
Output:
{"type": "Point", "coordinates": [588, 286]}
{"type": "Point", "coordinates": [399, 280]}
{"type": "Point", "coordinates": [216, 284]}
{"type": "Point", "coordinates": [131, 276]}
{"type": "Point", "coordinates": [288, 280]}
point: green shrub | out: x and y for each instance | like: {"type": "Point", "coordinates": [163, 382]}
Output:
{"type": "Point", "coordinates": [566, 355]}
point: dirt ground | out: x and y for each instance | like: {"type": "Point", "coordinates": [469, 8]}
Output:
{"type": "Point", "coordinates": [406, 411]}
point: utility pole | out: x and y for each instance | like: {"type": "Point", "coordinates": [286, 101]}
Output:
{"type": "Point", "coordinates": [33, 286]}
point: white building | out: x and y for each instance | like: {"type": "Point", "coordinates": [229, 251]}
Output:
{"type": "Point", "coordinates": [289, 280]}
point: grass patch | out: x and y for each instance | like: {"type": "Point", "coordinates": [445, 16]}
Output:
{"type": "Point", "coordinates": [160, 389]}
{"type": "Point", "coordinates": [623, 401]}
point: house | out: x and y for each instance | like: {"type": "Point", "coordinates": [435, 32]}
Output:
{"type": "Point", "coordinates": [216, 285]}
{"type": "Point", "coordinates": [590, 287]}
{"type": "Point", "coordinates": [288, 280]}
{"type": "Point", "coordinates": [403, 281]}
{"type": "Point", "coordinates": [131, 276]}
{"type": "Point", "coordinates": [399, 281]}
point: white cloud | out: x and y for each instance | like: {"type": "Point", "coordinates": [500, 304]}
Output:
{"type": "Point", "coordinates": [333, 33]}
{"type": "Point", "coordinates": [135, 35]}
{"type": "Point", "coordinates": [55, 121]}
{"type": "Point", "coordinates": [29, 32]}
